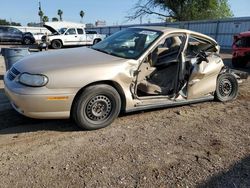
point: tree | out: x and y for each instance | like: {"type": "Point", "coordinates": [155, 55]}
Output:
{"type": "Point", "coordinates": [55, 19]}
{"type": "Point", "coordinates": [82, 14]}
{"type": "Point", "coordinates": [15, 24]}
{"type": "Point", "coordinates": [32, 24]}
{"type": "Point", "coordinates": [45, 19]}
{"type": "Point", "coordinates": [40, 14]}
{"type": "Point", "coordinates": [182, 10]}
{"type": "Point", "coordinates": [5, 22]}
{"type": "Point", "coordinates": [60, 13]}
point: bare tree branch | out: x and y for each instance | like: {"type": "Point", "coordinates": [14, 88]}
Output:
{"type": "Point", "coordinates": [145, 9]}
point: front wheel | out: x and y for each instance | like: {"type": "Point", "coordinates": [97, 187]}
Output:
{"type": "Point", "coordinates": [226, 88]}
{"type": "Point", "coordinates": [96, 107]}
{"type": "Point", "coordinates": [27, 40]}
{"type": "Point", "coordinates": [56, 44]}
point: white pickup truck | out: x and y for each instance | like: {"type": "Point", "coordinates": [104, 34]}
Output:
{"type": "Point", "coordinates": [69, 34]}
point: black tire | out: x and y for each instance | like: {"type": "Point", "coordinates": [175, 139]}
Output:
{"type": "Point", "coordinates": [96, 41]}
{"type": "Point", "coordinates": [56, 44]}
{"type": "Point", "coordinates": [226, 87]}
{"type": "Point", "coordinates": [239, 62]}
{"type": "Point", "coordinates": [96, 107]}
{"type": "Point", "coordinates": [27, 41]}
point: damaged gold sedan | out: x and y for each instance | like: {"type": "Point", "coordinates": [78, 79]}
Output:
{"type": "Point", "coordinates": [134, 69]}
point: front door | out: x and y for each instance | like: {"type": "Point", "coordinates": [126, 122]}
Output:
{"type": "Point", "coordinates": [71, 37]}
{"type": "Point", "coordinates": [14, 34]}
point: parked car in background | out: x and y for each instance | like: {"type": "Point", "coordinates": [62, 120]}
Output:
{"type": "Point", "coordinates": [70, 35]}
{"type": "Point", "coordinates": [12, 34]}
{"type": "Point", "coordinates": [241, 49]}
{"type": "Point", "coordinates": [134, 69]}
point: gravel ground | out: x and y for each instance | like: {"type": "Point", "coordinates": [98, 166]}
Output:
{"type": "Point", "coordinates": [199, 145]}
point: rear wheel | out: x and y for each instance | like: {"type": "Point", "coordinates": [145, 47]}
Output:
{"type": "Point", "coordinates": [96, 41]}
{"type": "Point", "coordinates": [96, 107]}
{"type": "Point", "coordinates": [226, 88]}
{"type": "Point", "coordinates": [56, 44]}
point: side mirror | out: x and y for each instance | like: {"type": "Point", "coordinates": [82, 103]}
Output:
{"type": "Point", "coordinates": [236, 37]}
{"type": "Point", "coordinates": [236, 45]}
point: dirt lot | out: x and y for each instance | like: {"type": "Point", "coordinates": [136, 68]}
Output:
{"type": "Point", "coordinates": [199, 145]}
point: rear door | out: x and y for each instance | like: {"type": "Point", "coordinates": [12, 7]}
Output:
{"type": "Point", "coordinates": [90, 36]}
{"type": "Point", "coordinates": [82, 36]}
{"type": "Point", "coordinates": [203, 72]}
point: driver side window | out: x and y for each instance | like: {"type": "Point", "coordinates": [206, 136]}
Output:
{"type": "Point", "coordinates": [71, 31]}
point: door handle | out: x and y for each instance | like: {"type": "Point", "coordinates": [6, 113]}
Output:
{"type": "Point", "coordinates": [75, 36]}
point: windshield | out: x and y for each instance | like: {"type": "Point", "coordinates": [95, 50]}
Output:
{"type": "Point", "coordinates": [243, 42]}
{"type": "Point", "coordinates": [129, 43]}
{"type": "Point", "coordinates": [62, 30]}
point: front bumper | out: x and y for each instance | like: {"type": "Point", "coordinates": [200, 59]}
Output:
{"type": "Point", "coordinates": [41, 103]}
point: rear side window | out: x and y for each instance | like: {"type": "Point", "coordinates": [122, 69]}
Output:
{"type": "Point", "coordinates": [196, 45]}
{"type": "Point", "coordinates": [79, 31]}
{"type": "Point", "coordinates": [91, 32]}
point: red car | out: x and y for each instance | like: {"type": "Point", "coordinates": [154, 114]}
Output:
{"type": "Point", "coordinates": [241, 49]}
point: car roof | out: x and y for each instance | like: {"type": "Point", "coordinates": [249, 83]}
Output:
{"type": "Point", "coordinates": [245, 34]}
{"type": "Point", "coordinates": [176, 30]}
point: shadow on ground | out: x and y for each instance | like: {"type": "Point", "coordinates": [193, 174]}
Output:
{"type": "Point", "coordinates": [237, 176]}
{"type": "Point", "coordinates": [12, 123]}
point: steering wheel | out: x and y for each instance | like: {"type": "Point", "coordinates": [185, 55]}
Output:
{"type": "Point", "coordinates": [201, 55]}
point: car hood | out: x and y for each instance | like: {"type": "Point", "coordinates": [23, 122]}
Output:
{"type": "Point", "coordinates": [51, 29]}
{"type": "Point", "coordinates": [75, 58]}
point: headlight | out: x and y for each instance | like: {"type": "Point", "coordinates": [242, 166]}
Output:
{"type": "Point", "coordinates": [35, 80]}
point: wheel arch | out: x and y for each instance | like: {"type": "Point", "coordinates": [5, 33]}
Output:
{"type": "Point", "coordinates": [111, 83]}
{"type": "Point", "coordinates": [97, 39]}
{"type": "Point", "coordinates": [58, 40]}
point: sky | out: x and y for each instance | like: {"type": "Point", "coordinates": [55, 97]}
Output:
{"type": "Point", "coordinates": [112, 11]}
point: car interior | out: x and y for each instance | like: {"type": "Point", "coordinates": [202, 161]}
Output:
{"type": "Point", "coordinates": [158, 75]}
